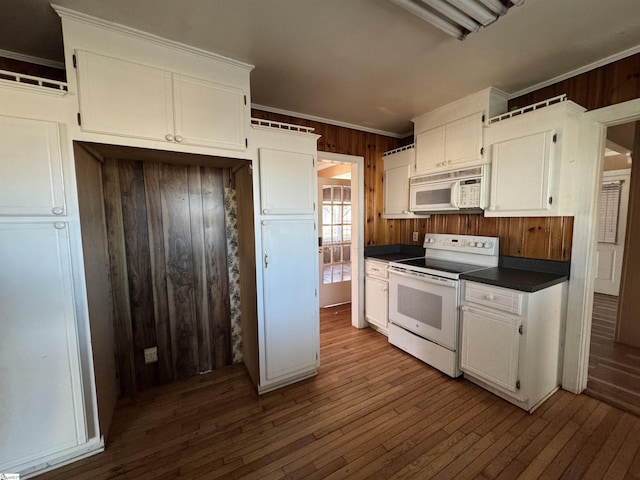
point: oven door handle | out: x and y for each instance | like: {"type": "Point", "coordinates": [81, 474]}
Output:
{"type": "Point", "coordinates": [423, 277]}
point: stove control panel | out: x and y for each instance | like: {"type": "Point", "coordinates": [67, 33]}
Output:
{"type": "Point", "coordinates": [462, 243]}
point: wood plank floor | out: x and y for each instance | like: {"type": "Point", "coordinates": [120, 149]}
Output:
{"type": "Point", "coordinates": [371, 412]}
{"type": "Point", "coordinates": [614, 368]}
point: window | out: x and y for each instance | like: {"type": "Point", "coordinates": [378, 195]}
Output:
{"type": "Point", "coordinates": [336, 233]}
{"type": "Point", "coordinates": [609, 211]}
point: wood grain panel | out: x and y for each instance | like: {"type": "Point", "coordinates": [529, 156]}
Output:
{"type": "Point", "coordinates": [380, 231]}
{"type": "Point", "coordinates": [174, 187]}
{"type": "Point", "coordinates": [217, 274]}
{"type": "Point", "coordinates": [119, 279]}
{"type": "Point", "coordinates": [134, 219]}
{"type": "Point", "coordinates": [168, 236]}
{"type": "Point", "coordinates": [158, 272]}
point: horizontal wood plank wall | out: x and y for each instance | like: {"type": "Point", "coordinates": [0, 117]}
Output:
{"type": "Point", "coordinates": [614, 83]}
{"type": "Point", "coordinates": [540, 237]}
{"type": "Point", "coordinates": [167, 248]}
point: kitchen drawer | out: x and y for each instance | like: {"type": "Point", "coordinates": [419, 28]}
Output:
{"type": "Point", "coordinates": [494, 297]}
{"type": "Point", "coordinates": [376, 268]}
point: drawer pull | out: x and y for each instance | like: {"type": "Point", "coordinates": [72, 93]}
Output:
{"type": "Point", "coordinates": [489, 297]}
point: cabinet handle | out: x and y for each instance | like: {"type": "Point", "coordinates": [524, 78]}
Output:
{"type": "Point", "coordinates": [464, 308]}
{"type": "Point", "coordinates": [406, 212]}
{"type": "Point", "coordinates": [169, 137]}
{"type": "Point", "coordinates": [265, 211]}
{"type": "Point", "coordinates": [266, 260]}
{"type": "Point", "coordinates": [59, 225]}
{"type": "Point", "coordinates": [57, 210]}
{"type": "Point", "coordinates": [179, 138]}
{"type": "Point", "coordinates": [489, 297]}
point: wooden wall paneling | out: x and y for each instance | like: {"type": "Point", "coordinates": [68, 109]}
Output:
{"type": "Point", "coordinates": [536, 237]}
{"type": "Point", "coordinates": [560, 236]}
{"type": "Point", "coordinates": [134, 219]}
{"type": "Point", "coordinates": [158, 272]}
{"type": "Point", "coordinates": [217, 273]}
{"type": "Point", "coordinates": [119, 278]}
{"type": "Point", "coordinates": [179, 265]}
{"type": "Point", "coordinates": [199, 265]}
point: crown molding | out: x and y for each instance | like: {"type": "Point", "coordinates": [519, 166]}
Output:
{"type": "Point", "coordinates": [31, 59]}
{"type": "Point", "coordinates": [578, 71]}
{"type": "Point", "coordinates": [66, 13]}
{"type": "Point", "coordinates": [337, 123]}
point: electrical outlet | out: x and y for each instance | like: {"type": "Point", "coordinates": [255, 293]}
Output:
{"type": "Point", "coordinates": [151, 355]}
{"type": "Point", "coordinates": [415, 236]}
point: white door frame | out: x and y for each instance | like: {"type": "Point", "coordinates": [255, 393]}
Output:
{"type": "Point", "coordinates": [357, 233]}
{"type": "Point", "coordinates": [580, 301]}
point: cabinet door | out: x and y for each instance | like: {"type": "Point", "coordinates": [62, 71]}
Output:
{"type": "Point", "coordinates": [396, 190]}
{"type": "Point", "coordinates": [521, 175]}
{"type": "Point", "coordinates": [41, 400]}
{"type": "Point", "coordinates": [287, 183]}
{"type": "Point", "coordinates": [376, 301]}
{"type": "Point", "coordinates": [291, 321]}
{"type": "Point", "coordinates": [463, 140]}
{"type": "Point", "coordinates": [31, 181]}
{"type": "Point", "coordinates": [430, 150]}
{"type": "Point", "coordinates": [490, 347]}
{"type": "Point", "coordinates": [124, 98]}
{"type": "Point", "coordinates": [209, 114]}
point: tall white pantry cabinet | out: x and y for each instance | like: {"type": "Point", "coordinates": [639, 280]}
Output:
{"type": "Point", "coordinates": [57, 374]}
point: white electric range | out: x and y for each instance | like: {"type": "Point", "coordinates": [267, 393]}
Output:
{"type": "Point", "coordinates": [424, 296]}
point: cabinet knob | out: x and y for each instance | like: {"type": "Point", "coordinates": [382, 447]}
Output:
{"type": "Point", "coordinates": [265, 211]}
{"type": "Point", "coordinates": [489, 297]}
{"type": "Point", "coordinates": [179, 138]}
{"type": "Point", "coordinates": [57, 210]}
{"type": "Point", "coordinates": [169, 137]}
{"type": "Point", "coordinates": [59, 225]}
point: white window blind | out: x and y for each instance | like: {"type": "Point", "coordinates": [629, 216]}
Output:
{"type": "Point", "coordinates": [609, 211]}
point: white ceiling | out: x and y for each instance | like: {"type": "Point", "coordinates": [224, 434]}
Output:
{"type": "Point", "coordinates": [362, 62]}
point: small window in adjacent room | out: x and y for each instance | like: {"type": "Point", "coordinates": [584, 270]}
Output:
{"type": "Point", "coordinates": [609, 211]}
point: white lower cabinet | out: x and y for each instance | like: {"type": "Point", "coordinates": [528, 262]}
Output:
{"type": "Point", "coordinates": [376, 295]}
{"type": "Point", "coordinates": [511, 341]}
{"type": "Point", "coordinates": [41, 398]}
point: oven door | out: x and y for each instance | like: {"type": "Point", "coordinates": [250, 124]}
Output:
{"type": "Point", "coordinates": [431, 197]}
{"type": "Point", "coordinates": [425, 305]}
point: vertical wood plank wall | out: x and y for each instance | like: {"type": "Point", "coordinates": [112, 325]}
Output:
{"type": "Point", "coordinates": [167, 248]}
{"type": "Point", "coordinates": [541, 237]}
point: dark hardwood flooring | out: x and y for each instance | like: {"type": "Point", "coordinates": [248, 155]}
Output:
{"type": "Point", "coordinates": [614, 368]}
{"type": "Point", "coordinates": [371, 412]}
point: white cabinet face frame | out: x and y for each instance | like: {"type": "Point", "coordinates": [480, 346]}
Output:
{"type": "Point", "coordinates": [124, 98]}
{"type": "Point", "coordinates": [39, 343]}
{"type": "Point", "coordinates": [287, 183]}
{"type": "Point", "coordinates": [290, 276]}
{"type": "Point", "coordinates": [522, 175]}
{"type": "Point", "coordinates": [490, 347]}
{"type": "Point", "coordinates": [31, 178]}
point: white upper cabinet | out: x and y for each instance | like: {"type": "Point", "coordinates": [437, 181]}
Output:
{"type": "Point", "coordinates": [119, 97]}
{"type": "Point", "coordinates": [455, 143]}
{"type": "Point", "coordinates": [398, 169]}
{"type": "Point", "coordinates": [31, 181]}
{"type": "Point", "coordinates": [287, 182]}
{"type": "Point", "coordinates": [452, 135]}
{"type": "Point", "coordinates": [522, 174]}
{"type": "Point", "coordinates": [533, 161]}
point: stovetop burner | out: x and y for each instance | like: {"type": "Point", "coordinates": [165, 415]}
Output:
{"type": "Point", "coordinates": [440, 265]}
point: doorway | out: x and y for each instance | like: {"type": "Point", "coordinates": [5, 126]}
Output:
{"type": "Point", "coordinates": [613, 375]}
{"type": "Point", "coordinates": [349, 168]}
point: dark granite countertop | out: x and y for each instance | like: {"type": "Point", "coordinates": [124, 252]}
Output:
{"type": "Point", "coordinates": [524, 274]}
{"type": "Point", "coordinates": [394, 252]}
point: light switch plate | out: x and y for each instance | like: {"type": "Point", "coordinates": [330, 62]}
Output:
{"type": "Point", "coordinates": [415, 236]}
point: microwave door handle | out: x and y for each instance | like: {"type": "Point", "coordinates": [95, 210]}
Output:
{"type": "Point", "coordinates": [455, 192]}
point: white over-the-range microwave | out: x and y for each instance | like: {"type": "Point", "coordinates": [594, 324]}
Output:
{"type": "Point", "coordinates": [456, 191]}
